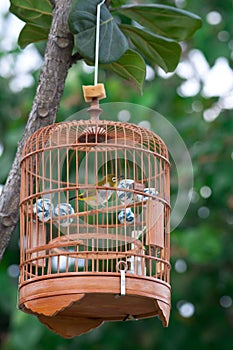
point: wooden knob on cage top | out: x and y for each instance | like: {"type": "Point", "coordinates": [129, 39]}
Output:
{"type": "Point", "coordinates": [94, 91]}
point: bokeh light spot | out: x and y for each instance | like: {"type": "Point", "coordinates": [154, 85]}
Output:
{"type": "Point", "coordinates": [186, 309]}
{"type": "Point", "coordinates": [13, 271]}
{"type": "Point", "coordinates": [124, 115]}
{"type": "Point", "coordinates": [225, 301]}
{"type": "Point", "coordinates": [203, 212]}
{"type": "Point", "coordinates": [205, 192]}
{"type": "Point", "coordinates": [180, 266]}
{"type": "Point", "coordinates": [214, 18]}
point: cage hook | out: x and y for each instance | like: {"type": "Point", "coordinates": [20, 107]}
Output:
{"type": "Point", "coordinates": [122, 267]}
{"type": "Point", "coordinates": [97, 41]}
{"type": "Point", "coordinates": [96, 92]}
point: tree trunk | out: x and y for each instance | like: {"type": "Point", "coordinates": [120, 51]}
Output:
{"type": "Point", "coordinates": [57, 60]}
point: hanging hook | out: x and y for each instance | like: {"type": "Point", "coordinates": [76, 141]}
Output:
{"type": "Point", "coordinates": [94, 93]}
{"type": "Point", "coordinates": [97, 41]}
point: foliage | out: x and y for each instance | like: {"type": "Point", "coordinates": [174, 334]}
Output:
{"type": "Point", "coordinates": [161, 28]}
{"type": "Point", "coordinates": [82, 21]}
{"type": "Point", "coordinates": [164, 52]}
{"type": "Point", "coordinates": [38, 17]}
{"type": "Point", "coordinates": [130, 66]}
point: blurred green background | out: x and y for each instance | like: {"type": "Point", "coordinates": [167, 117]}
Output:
{"type": "Point", "coordinates": [198, 100]}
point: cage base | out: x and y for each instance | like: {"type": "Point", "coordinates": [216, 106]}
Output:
{"type": "Point", "coordinates": [71, 306]}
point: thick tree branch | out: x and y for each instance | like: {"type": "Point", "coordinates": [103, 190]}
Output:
{"type": "Point", "coordinates": [58, 59]}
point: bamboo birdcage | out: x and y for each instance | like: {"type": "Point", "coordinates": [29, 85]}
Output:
{"type": "Point", "coordinates": [105, 258]}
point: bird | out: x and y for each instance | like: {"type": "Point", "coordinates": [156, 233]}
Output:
{"type": "Point", "coordinates": [97, 197]}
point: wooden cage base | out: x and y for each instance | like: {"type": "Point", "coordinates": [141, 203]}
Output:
{"type": "Point", "coordinates": [70, 306]}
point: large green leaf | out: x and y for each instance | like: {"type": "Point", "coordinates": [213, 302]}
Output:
{"type": "Point", "coordinates": [130, 66]}
{"type": "Point", "coordinates": [163, 20]}
{"type": "Point", "coordinates": [30, 31]}
{"type": "Point", "coordinates": [158, 50]}
{"type": "Point", "coordinates": [33, 11]}
{"type": "Point", "coordinates": [82, 22]}
{"type": "Point", "coordinates": [38, 18]}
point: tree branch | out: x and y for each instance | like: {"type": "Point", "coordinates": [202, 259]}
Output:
{"type": "Point", "coordinates": [57, 60]}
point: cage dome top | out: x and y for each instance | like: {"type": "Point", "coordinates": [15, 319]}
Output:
{"type": "Point", "coordinates": [74, 133]}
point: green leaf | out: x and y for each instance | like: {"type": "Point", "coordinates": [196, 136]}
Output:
{"type": "Point", "coordinates": [158, 50]}
{"type": "Point", "coordinates": [130, 66]}
{"type": "Point", "coordinates": [163, 20]}
{"type": "Point", "coordinates": [30, 31]}
{"type": "Point", "coordinates": [82, 22]}
{"type": "Point", "coordinates": [38, 18]}
{"type": "Point", "coordinates": [33, 11]}
{"type": "Point", "coordinates": [117, 3]}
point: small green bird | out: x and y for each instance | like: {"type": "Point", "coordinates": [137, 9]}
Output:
{"type": "Point", "coordinates": [96, 197]}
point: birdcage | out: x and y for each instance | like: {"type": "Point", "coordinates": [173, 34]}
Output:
{"type": "Point", "coordinates": [94, 225]}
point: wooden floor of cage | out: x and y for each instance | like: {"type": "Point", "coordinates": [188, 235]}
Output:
{"type": "Point", "coordinates": [71, 306]}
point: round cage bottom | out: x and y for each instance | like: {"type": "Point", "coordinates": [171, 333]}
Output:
{"type": "Point", "coordinates": [74, 305]}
